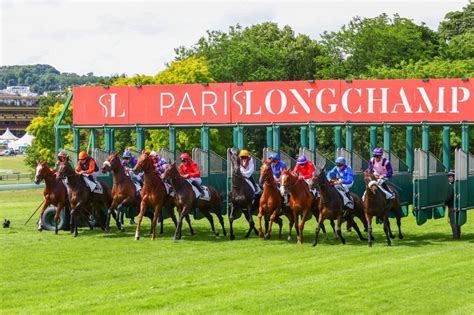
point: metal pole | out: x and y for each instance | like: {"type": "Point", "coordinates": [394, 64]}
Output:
{"type": "Point", "coordinates": [387, 146]}
{"type": "Point", "coordinates": [465, 138]}
{"type": "Point", "coordinates": [349, 133]}
{"type": "Point", "coordinates": [304, 136]}
{"type": "Point", "coordinates": [312, 137]}
{"type": "Point", "coordinates": [373, 139]}
{"type": "Point", "coordinates": [446, 147]}
{"type": "Point", "coordinates": [140, 139]}
{"type": "Point", "coordinates": [338, 138]}
{"type": "Point", "coordinates": [276, 138]}
{"type": "Point", "coordinates": [270, 137]}
{"type": "Point", "coordinates": [76, 140]}
{"type": "Point", "coordinates": [425, 138]}
{"type": "Point", "coordinates": [409, 148]}
{"type": "Point", "coordinates": [172, 140]}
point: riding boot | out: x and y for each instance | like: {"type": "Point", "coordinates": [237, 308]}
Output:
{"type": "Point", "coordinates": [255, 186]}
{"type": "Point", "coordinates": [201, 191]}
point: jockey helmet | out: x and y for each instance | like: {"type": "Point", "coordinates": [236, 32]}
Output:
{"type": "Point", "coordinates": [62, 154]}
{"type": "Point", "coordinates": [127, 154]}
{"type": "Point", "coordinates": [244, 153]}
{"type": "Point", "coordinates": [275, 156]}
{"type": "Point", "coordinates": [377, 152]}
{"type": "Point", "coordinates": [184, 156]}
{"type": "Point", "coordinates": [451, 173]}
{"type": "Point", "coordinates": [83, 155]}
{"type": "Point", "coordinates": [152, 153]}
{"type": "Point", "coordinates": [302, 160]}
{"type": "Point", "coordinates": [340, 160]}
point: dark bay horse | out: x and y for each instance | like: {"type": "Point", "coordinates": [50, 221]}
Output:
{"type": "Point", "coordinates": [271, 202]}
{"type": "Point", "coordinates": [376, 204]}
{"type": "Point", "coordinates": [81, 198]}
{"type": "Point", "coordinates": [185, 200]}
{"type": "Point", "coordinates": [54, 193]}
{"type": "Point", "coordinates": [242, 197]}
{"type": "Point", "coordinates": [331, 207]}
{"type": "Point", "coordinates": [302, 201]}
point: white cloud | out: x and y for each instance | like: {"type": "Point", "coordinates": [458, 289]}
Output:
{"type": "Point", "coordinates": [139, 37]}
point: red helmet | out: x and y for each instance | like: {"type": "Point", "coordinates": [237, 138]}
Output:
{"type": "Point", "coordinates": [184, 156]}
{"type": "Point", "coordinates": [62, 154]}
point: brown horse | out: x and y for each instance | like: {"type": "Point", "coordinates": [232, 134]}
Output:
{"type": "Point", "coordinates": [242, 197]}
{"type": "Point", "coordinates": [54, 193]}
{"type": "Point", "coordinates": [271, 202]}
{"type": "Point", "coordinates": [81, 198]}
{"type": "Point", "coordinates": [376, 204]}
{"type": "Point", "coordinates": [331, 207]}
{"type": "Point", "coordinates": [301, 201]}
{"type": "Point", "coordinates": [185, 200]}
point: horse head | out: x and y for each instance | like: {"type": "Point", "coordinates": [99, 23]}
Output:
{"type": "Point", "coordinates": [112, 163]}
{"type": "Point", "coordinates": [320, 179]}
{"type": "Point", "coordinates": [235, 161]}
{"type": "Point", "coordinates": [171, 172]}
{"type": "Point", "coordinates": [42, 171]}
{"type": "Point", "coordinates": [64, 169]}
{"type": "Point", "coordinates": [143, 164]}
{"type": "Point", "coordinates": [266, 174]}
{"type": "Point", "coordinates": [288, 179]}
{"type": "Point", "coordinates": [370, 181]}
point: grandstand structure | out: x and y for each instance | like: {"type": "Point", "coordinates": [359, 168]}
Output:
{"type": "Point", "coordinates": [18, 107]}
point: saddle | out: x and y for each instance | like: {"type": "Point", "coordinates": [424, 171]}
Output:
{"type": "Point", "coordinates": [207, 194]}
{"type": "Point", "coordinates": [348, 202]}
{"type": "Point", "coordinates": [256, 192]}
{"type": "Point", "coordinates": [95, 187]}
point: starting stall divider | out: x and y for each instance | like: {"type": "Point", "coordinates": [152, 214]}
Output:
{"type": "Point", "coordinates": [319, 160]}
{"type": "Point", "coordinates": [401, 180]}
{"type": "Point", "coordinates": [463, 185]}
{"type": "Point", "coordinates": [358, 165]}
{"type": "Point", "coordinates": [430, 187]}
{"type": "Point", "coordinates": [285, 158]}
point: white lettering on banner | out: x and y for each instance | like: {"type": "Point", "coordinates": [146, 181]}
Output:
{"type": "Point", "coordinates": [211, 105]}
{"type": "Point", "coordinates": [248, 103]}
{"type": "Point", "coordinates": [162, 102]}
{"type": "Point", "coordinates": [426, 100]}
{"type": "Point", "coordinates": [345, 104]}
{"type": "Point", "coordinates": [455, 100]}
{"type": "Point", "coordinates": [319, 103]}
{"type": "Point", "coordinates": [268, 101]}
{"type": "Point", "coordinates": [182, 107]}
{"type": "Point", "coordinates": [112, 102]}
{"type": "Point", "coordinates": [404, 103]}
{"type": "Point", "coordinates": [441, 100]}
{"type": "Point", "coordinates": [301, 101]}
{"type": "Point", "coordinates": [371, 100]}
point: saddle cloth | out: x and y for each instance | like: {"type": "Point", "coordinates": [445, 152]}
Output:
{"type": "Point", "coordinates": [169, 189]}
{"type": "Point", "coordinates": [253, 187]}
{"type": "Point", "coordinates": [207, 195]}
{"type": "Point", "coordinates": [388, 194]}
{"type": "Point", "coordinates": [342, 192]}
{"type": "Point", "coordinates": [314, 191]}
{"type": "Point", "coordinates": [95, 187]}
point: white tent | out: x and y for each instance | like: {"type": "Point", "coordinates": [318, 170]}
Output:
{"type": "Point", "coordinates": [8, 135]}
{"type": "Point", "coordinates": [21, 143]}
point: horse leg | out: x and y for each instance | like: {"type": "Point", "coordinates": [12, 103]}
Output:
{"type": "Point", "coordinates": [231, 221]}
{"type": "Point", "coordinates": [370, 237]}
{"type": "Point", "coordinates": [260, 214]}
{"type": "Point", "coordinates": [386, 230]}
{"type": "Point", "coordinates": [177, 233]}
{"type": "Point", "coordinates": [296, 218]}
{"type": "Point", "coordinates": [109, 212]}
{"type": "Point", "coordinates": [338, 228]}
{"type": "Point", "coordinates": [221, 221]}
{"type": "Point", "coordinates": [43, 208]}
{"type": "Point", "coordinates": [248, 216]}
{"type": "Point", "coordinates": [390, 229]}
{"type": "Point", "coordinates": [188, 220]}
{"type": "Point", "coordinates": [211, 221]}
{"type": "Point", "coordinates": [59, 208]}
{"type": "Point", "coordinates": [279, 221]}
{"type": "Point", "coordinates": [334, 229]}
{"type": "Point", "coordinates": [291, 223]}
{"type": "Point", "coordinates": [356, 228]}
{"type": "Point", "coordinates": [155, 218]}
{"type": "Point", "coordinates": [301, 226]}
{"type": "Point", "coordinates": [272, 218]}
{"type": "Point", "coordinates": [140, 217]}
{"type": "Point", "coordinates": [399, 224]}
{"type": "Point", "coordinates": [160, 221]}
{"type": "Point", "coordinates": [318, 228]}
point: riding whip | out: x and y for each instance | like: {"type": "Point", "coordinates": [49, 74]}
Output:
{"type": "Point", "coordinates": [34, 212]}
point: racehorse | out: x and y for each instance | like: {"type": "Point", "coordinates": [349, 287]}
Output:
{"type": "Point", "coordinates": [301, 201]}
{"type": "Point", "coordinates": [376, 204]}
{"type": "Point", "coordinates": [81, 197]}
{"type": "Point", "coordinates": [331, 207]}
{"type": "Point", "coordinates": [185, 200]}
{"type": "Point", "coordinates": [271, 202]}
{"type": "Point", "coordinates": [54, 193]}
{"type": "Point", "coordinates": [242, 197]}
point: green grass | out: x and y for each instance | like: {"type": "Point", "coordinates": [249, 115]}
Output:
{"type": "Point", "coordinates": [111, 273]}
{"type": "Point", "coordinates": [14, 164]}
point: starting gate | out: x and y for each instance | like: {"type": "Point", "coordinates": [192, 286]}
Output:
{"type": "Point", "coordinates": [358, 165]}
{"type": "Point", "coordinates": [401, 180]}
{"type": "Point", "coordinates": [463, 185]}
{"type": "Point", "coordinates": [430, 186]}
{"type": "Point", "coordinates": [285, 158]}
{"type": "Point", "coordinates": [318, 159]}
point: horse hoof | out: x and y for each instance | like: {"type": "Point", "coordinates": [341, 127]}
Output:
{"type": "Point", "coordinates": [370, 244]}
{"type": "Point", "coordinates": [315, 243]}
{"type": "Point", "coordinates": [107, 230]}
{"type": "Point", "coordinates": [392, 237]}
{"type": "Point", "coordinates": [225, 233]}
{"type": "Point", "coordinates": [389, 244]}
{"type": "Point", "coordinates": [232, 237]}
{"type": "Point", "coordinates": [217, 233]}
{"type": "Point", "coordinates": [122, 229]}
{"type": "Point", "coordinates": [343, 241]}
{"type": "Point", "coordinates": [137, 238]}
{"type": "Point", "coordinates": [267, 237]}
{"type": "Point", "coordinates": [400, 236]}
{"type": "Point", "coordinates": [288, 238]}
{"type": "Point", "coordinates": [363, 239]}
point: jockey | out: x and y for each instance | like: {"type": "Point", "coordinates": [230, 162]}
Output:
{"type": "Point", "coordinates": [190, 170]}
{"type": "Point", "coordinates": [87, 167]}
{"type": "Point", "coordinates": [304, 169]}
{"type": "Point", "coordinates": [62, 156]}
{"type": "Point", "coordinates": [382, 170]}
{"type": "Point", "coordinates": [277, 165]}
{"type": "Point", "coordinates": [341, 177]}
{"type": "Point", "coordinates": [128, 163]}
{"type": "Point", "coordinates": [247, 168]}
{"type": "Point", "coordinates": [158, 162]}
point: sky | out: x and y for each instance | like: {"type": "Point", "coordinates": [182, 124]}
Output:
{"type": "Point", "coordinates": [139, 37]}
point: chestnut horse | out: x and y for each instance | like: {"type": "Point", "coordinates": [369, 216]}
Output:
{"type": "Point", "coordinates": [271, 202]}
{"type": "Point", "coordinates": [54, 193]}
{"type": "Point", "coordinates": [185, 200]}
{"type": "Point", "coordinates": [242, 197]}
{"type": "Point", "coordinates": [81, 197]}
{"type": "Point", "coordinates": [376, 204]}
{"type": "Point", "coordinates": [301, 200]}
{"type": "Point", "coordinates": [331, 207]}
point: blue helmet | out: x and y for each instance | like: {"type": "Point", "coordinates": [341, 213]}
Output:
{"type": "Point", "coordinates": [127, 154]}
{"type": "Point", "coordinates": [302, 160]}
{"type": "Point", "coordinates": [275, 156]}
{"type": "Point", "coordinates": [340, 160]}
{"type": "Point", "coordinates": [451, 173]}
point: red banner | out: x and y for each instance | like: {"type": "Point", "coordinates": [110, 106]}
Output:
{"type": "Point", "coordinates": [410, 101]}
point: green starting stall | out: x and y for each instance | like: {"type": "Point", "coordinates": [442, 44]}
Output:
{"type": "Point", "coordinates": [463, 185]}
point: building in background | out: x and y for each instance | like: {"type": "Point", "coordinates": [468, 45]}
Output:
{"type": "Point", "coordinates": [18, 107]}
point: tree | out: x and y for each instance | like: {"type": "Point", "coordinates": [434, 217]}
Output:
{"type": "Point", "coordinates": [457, 22]}
{"type": "Point", "coordinates": [374, 42]}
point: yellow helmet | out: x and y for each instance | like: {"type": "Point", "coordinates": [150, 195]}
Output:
{"type": "Point", "coordinates": [244, 153]}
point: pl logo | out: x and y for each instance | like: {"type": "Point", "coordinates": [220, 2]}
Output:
{"type": "Point", "coordinates": [108, 101]}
